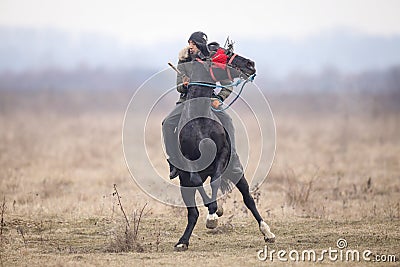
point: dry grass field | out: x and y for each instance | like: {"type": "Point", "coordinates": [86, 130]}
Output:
{"type": "Point", "coordinates": [336, 175]}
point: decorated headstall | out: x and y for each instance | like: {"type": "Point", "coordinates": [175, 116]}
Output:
{"type": "Point", "coordinates": [228, 65]}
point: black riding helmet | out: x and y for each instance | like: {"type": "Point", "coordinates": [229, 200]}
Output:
{"type": "Point", "coordinates": [200, 39]}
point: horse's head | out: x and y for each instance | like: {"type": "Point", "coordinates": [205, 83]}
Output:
{"type": "Point", "coordinates": [245, 66]}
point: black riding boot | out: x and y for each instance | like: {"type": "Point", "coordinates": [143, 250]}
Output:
{"type": "Point", "coordinates": [173, 171]}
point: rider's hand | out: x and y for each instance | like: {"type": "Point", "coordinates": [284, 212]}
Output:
{"type": "Point", "coordinates": [185, 80]}
{"type": "Point", "coordinates": [215, 102]}
{"type": "Point", "coordinates": [184, 54]}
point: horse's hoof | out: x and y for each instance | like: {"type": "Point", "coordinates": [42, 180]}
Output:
{"type": "Point", "coordinates": [212, 221]}
{"type": "Point", "coordinates": [220, 211]}
{"type": "Point", "coordinates": [180, 247]}
{"type": "Point", "coordinates": [266, 231]}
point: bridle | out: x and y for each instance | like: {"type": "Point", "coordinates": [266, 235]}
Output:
{"type": "Point", "coordinates": [249, 79]}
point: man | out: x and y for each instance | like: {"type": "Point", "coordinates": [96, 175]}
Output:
{"type": "Point", "coordinates": [197, 49]}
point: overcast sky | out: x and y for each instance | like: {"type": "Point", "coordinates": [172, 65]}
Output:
{"type": "Point", "coordinates": [160, 21]}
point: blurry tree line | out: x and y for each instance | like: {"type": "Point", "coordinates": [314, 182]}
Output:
{"type": "Point", "coordinates": [84, 78]}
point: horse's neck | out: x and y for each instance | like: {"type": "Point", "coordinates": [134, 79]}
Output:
{"type": "Point", "coordinates": [201, 72]}
{"type": "Point", "coordinates": [197, 104]}
{"type": "Point", "coordinates": [199, 91]}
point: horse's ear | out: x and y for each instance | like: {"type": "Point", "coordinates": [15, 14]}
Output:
{"type": "Point", "coordinates": [213, 46]}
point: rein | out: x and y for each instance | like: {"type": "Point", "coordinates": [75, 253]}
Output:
{"type": "Point", "coordinates": [250, 79]}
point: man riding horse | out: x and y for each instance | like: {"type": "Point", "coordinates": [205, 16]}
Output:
{"type": "Point", "coordinates": [197, 50]}
{"type": "Point", "coordinates": [188, 127]}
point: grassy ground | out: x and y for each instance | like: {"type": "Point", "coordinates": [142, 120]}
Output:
{"type": "Point", "coordinates": [336, 175]}
{"type": "Point", "coordinates": [235, 242]}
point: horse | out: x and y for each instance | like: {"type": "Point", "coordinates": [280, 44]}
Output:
{"type": "Point", "coordinates": [206, 145]}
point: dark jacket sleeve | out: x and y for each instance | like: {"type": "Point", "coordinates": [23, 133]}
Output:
{"type": "Point", "coordinates": [183, 67]}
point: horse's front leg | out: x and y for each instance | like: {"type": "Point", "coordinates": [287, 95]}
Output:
{"type": "Point", "coordinates": [212, 216]}
{"type": "Point", "coordinates": [188, 195]}
{"type": "Point", "coordinates": [206, 199]}
{"type": "Point", "coordinates": [213, 210]}
{"type": "Point", "coordinates": [197, 181]}
{"type": "Point", "coordinates": [215, 185]}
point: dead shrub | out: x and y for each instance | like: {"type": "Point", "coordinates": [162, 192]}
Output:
{"type": "Point", "coordinates": [125, 236]}
{"type": "Point", "coordinates": [297, 192]}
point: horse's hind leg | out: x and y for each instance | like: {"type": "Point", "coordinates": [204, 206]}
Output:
{"type": "Point", "coordinates": [188, 195]}
{"type": "Point", "coordinates": [243, 187]}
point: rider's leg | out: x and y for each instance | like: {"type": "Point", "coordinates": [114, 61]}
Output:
{"type": "Point", "coordinates": [169, 127]}
{"type": "Point", "coordinates": [234, 170]}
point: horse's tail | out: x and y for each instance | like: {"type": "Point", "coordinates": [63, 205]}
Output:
{"type": "Point", "coordinates": [226, 185]}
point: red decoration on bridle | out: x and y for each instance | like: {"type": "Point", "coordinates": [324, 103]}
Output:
{"type": "Point", "coordinates": [220, 60]}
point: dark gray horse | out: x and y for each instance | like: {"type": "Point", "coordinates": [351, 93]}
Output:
{"type": "Point", "coordinates": [206, 145]}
